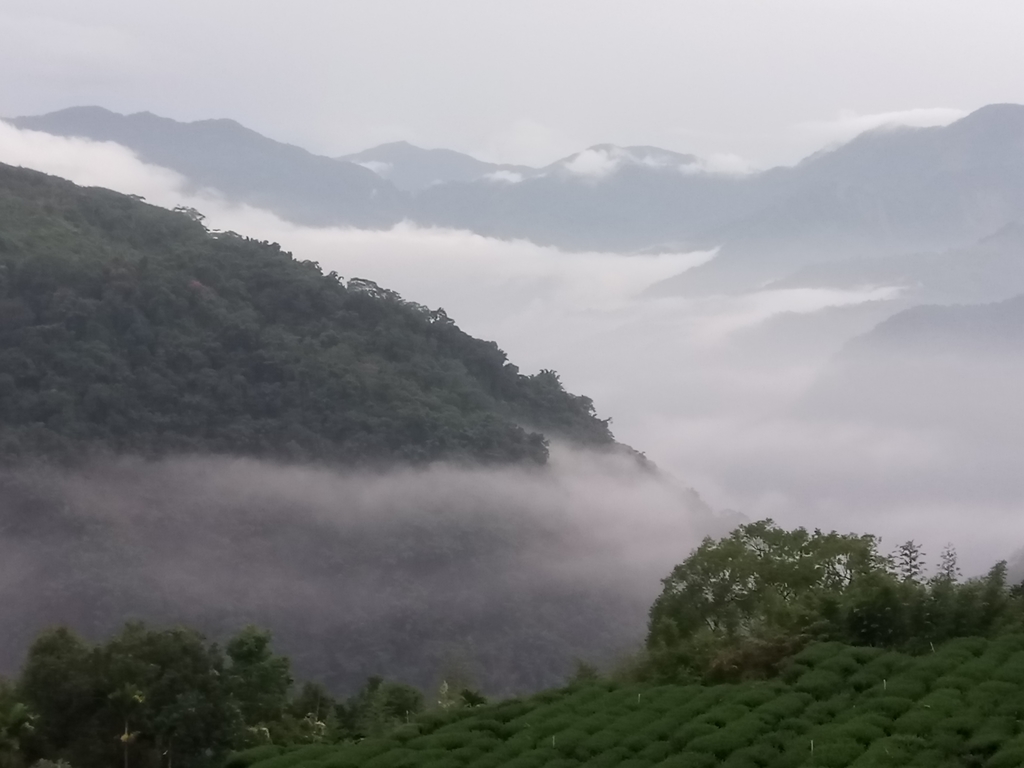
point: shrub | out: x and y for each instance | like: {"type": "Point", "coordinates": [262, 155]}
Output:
{"type": "Point", "coordinates": [836, 753]}
{"type": "Point", "coordinates": [689, 760]}
{"type": "Point", "coordinates": [920, 721]}
{"type": "Point", "coordinates": [721, 743]}
{"type": "Point", "coordinates": [826, 711]}
{"type": "Point", "coordinates": [993, 696]}
{"type": "Point", "coordinates": [865, 728]}
{"type": "Point", "coordinates": [254, 755]}
{"type": "Point", "coordinates": [689, 732]}
{"type": "Point", "coordinates": [990, 735]}
{"type": "Point", "coordinates": [890, 706]}
{"type": "Point", "coordinates": [724, 714]}
{"type": "Point", "coordinates": [656, 751]}
{"type": "Point", "coordinates": [820, 683]}
{"type": "Point", "coordinates": [894, 751]}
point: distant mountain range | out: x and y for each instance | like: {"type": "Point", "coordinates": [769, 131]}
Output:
{"type": "Point", "coordinates": [240, 163]}
{"type": "Point", "coordinates": [991, 269]}
{"type": "Point", "coordinates": [411, 168]}
{"type": "Point", "coordinates": [889, 192]}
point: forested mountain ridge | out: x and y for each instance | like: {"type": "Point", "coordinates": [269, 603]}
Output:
{"type": "Point", "coordinates": [130, 328]}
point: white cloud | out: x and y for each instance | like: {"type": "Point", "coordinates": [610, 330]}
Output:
{"type": "Point", "coordinates": [602, 161]}
{"type": "Point", "coordinates": [508, 177]}
{"type": "Point", "coordinates": [849, 124]}
{"type": "Point", "coordinates": [89, 163]}
{"type": "Point", "coordinates": [651, 160]}
{"type": "Point", "coordinates": [377, 166]}
{"type": "Point", "coordinates": [722, 163]}
{"type": "Point", "coordinates": [595, 163]}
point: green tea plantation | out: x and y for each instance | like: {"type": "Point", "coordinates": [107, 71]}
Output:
{"type": "Point", "coordinates": [833, 705]}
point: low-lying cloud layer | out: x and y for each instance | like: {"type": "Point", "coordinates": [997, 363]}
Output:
{"type": "Point", "coordinates": [705, 386]}
{"type": "Point", "coordinates": [506, 573]}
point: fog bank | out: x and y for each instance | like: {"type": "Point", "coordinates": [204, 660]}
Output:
{"type": "Point", "coordinates": [507, 574]}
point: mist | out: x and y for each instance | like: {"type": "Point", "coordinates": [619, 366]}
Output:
{"type": "Point", "coordinates": [507, 575]}
{"type": "Point", "coordinates": [712, 389]}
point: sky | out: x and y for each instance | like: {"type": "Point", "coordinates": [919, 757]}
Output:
{"type": "Point", "coordinates": [522, 80]}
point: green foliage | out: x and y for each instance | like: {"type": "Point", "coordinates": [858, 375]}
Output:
{"type": "Point", "coordinates": [909, 720]}
{"type": "Point", "coordinates": [741, 607]}
{"type": "Point", "coordinates": [379, 707]}
{"type": "Point", "coordinates": [126, 327]}
{"type": "Point", "coordinates": [143, 694]}
{"type": "Point", "coordinates": [152, 697]}
{"type": "Point", "coordinates": [257, 678]}
{"type": "Point", "coordinates": [16, 724]}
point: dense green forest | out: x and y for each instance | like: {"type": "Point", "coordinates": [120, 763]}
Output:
{"type": "Point", "coordinates": [820, 651]}
{"type": "Point", "coordinates": [129, 328]}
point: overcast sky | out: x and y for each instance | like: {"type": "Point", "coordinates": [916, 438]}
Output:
{"type": "Point", "coordinates": [521, 80]}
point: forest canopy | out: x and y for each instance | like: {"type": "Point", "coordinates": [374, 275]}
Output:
{"type": "Point", "coordinates": [129, 328]}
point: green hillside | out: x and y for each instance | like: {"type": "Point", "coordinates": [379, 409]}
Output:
{"type": "Point", "coordinates": [833, 705]}
{"type": "Point", "coordinates": [129, 328]}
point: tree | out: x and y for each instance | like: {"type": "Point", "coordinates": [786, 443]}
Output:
{"type": "Point", "coordinates": [909, 561]}
{"type": "Point", "coordinates": [948, 568]}
{"type": "Point", "coordinates": [16, 722]}
{"type": "Point", "coordinates": [257, 678]}
{"type": "Point", "coordinates": [759, 579]}
{"type": "Point", "coordinates": [58, 682]}
{"type": "Point", "coordinates": [379, 706]}
{"type": "Point", "coordinates": [154, 697]}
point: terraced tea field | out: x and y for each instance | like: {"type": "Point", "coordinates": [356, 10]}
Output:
{"type": "Point", "coordinates": [833, 705]}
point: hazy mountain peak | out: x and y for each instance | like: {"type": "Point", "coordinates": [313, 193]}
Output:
{"type": "Point", "coordinates": [412, 168]}
{"type": "Point", "coordinates": [601, 160]}
{"type": "Point", "coordinates": [993, 114]}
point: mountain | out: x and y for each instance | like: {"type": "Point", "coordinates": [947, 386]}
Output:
{"type": "Point", "coordinates": [131, 328]}
{"type": "Point", "coordinates": [241, 164]}
{"type": "Point", "coordinates": [604, 198]}
{"type": "Point", "coordinates": [990, 270]}
{"type": "Point", "coordinates": [954, 369]}
{"type": "Point", "coordinates": [995, 329]}
{"type": "Point", "coordinates": [888, 192]}
{"type": "Point", "coordinates": [198, 428]}
{"type": "Point", "coordinates": [411, 168]}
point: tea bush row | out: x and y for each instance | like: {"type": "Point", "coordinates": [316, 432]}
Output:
{"type": "Point", "coordinates": [834, 706]}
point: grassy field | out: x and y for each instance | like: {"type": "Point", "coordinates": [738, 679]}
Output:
{"type": "Point", "coordinates": [834, 705]}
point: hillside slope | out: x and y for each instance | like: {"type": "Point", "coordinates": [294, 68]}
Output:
{"type": "Point", "coordinates": [131, 328]}
{"type": "Point", "coordinates": [833, 706]}
{"type": "Point", "coordinates": [198, 428]}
